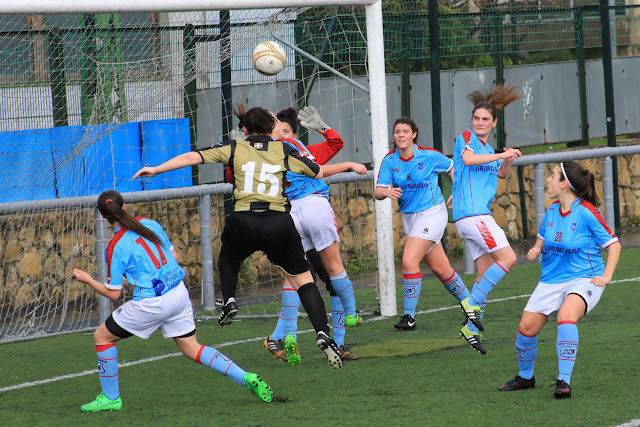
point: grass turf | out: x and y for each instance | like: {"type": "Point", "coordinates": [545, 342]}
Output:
{"type": "Point", "coordinates": [429, 376]}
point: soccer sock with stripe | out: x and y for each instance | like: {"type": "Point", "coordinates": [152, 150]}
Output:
{"type": "Point", "coordinates": [337, 318]}
{"type": "Point", "coordinates": [344, 288]}
{"type": "Point", "coordinates": [108, 370]}
{"type": "Point", "coordinates": [411, 284]}
{"type": "Point", "coordinates": [209, 356]}
{"type": "Point", "coordinates": [567, 346]}
{"type": "Point", "coordinates": [456, 286]}
{"type": "Point", "coordinates": [314, 306]}
{"type": "Point", "coordinates": [526, 351]}
{"type": "Point", "coordinates": [491, 277]}
{"type": "Point", "coordinates": [288, 320]}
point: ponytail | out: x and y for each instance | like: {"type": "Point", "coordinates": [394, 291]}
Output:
{"type": "Point", "coordinates": [494, 99]}
{"type": "Point", "coordinates": [110, 205]}
{"type": "Point", "coordinates": [581, 181]}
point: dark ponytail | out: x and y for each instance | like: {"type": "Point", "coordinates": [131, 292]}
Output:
{"type": "Point", "coordinates": [110, 205]}
{"type": "Point", "coordinates": [494, 99]}
{"type": "Point", "coordinates": [581, 181]}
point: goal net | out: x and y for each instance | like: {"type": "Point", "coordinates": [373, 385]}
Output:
{"type": "Point", "coordinates": [88, 99]}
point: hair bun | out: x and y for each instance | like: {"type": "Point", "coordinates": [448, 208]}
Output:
{"type": "Point", "coordinates": [586, 171]}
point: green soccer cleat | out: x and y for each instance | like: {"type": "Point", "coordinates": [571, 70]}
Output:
{"type": "Point", "coordinates": [258, 387]}
{"type": "Point", "coordinates": [473, 338]}
{"type": "Point", "coordinates": [291, 347]}
{"type": "Point", "coordinates": [473, 313]}
{"type": "Point", "coordinates": [102, 403]}
{"type": "Point", "coordinates": [352, 321]}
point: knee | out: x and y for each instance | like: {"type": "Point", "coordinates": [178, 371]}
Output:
{"type": "Point", "coordinates": [529, 329]}
{"type": "Point", "coordinates": [509, 260]}
{"type": "Point", "coordinates": [409, 265]}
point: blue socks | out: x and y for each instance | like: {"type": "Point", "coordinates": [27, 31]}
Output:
{"type": "Point", "coordinates": [526, 352]}
{"type": "Point", "coordinates": [411, 284]}
{"type": "Point", "coordinates": [455, 286]}
{"type": "Point", "coordinates": [337, 317]}
{"type": "Point", "coordinates": [108, 370]}
{"type": "Point", "coordinates": [343, 287]}
{"type": "Point", "coordinates": [491, 277]}
{"type": "Point", "coordinates": [567, 347]}
{"type": "Point", "coordinates": [209, 356]}
{"type": "Point", "coordinates": [288, 320]}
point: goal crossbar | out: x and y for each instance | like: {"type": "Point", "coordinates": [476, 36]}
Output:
{"type": "Point", "coordinates": [121, 6]}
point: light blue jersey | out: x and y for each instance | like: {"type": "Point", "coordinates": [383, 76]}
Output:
{"type": "Point", "coordinates": [151, 268]}
{"type": "Point", "coordinates": [572, 242]}
{"type": "Point", "coordinates": [417, 176]}
{"type": "Point", "coordinates": [299, 186]}
{"type": "Point", "coordinates": [474, 187]}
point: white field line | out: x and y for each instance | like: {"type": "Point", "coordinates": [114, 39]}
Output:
{"type": "Point", "coordinates": [632, 423]}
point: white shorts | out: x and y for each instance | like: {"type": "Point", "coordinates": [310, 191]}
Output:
{"type": "Point", "coordinates": [548, 297]}
{"type": "Point", "coordinates": [171, 312]}
{"type": "Point", "coordinates": [428, 224]}
{"type": "Point", "coordinates": [482, 234]}
{"type": "Point", "coordinates": [315, 221]}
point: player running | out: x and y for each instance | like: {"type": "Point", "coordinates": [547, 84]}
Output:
{"type": "Point", "coordinates": [141, 251]}
{"type": "Point", "coordinates": [573, 275]}
{"type": "Point", "coordinates": [260, 220]}
{"type": "Point", "coordinates": [477, 169]}
{"type": "Point", "coordinates": [316, 223]}
{"type": "Point", "coordinates": [412, 172]}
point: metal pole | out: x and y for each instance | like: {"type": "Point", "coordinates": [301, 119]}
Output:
{"type": "Point", "coordinates": [607, 186]}
{"type": "Point", "coordinates": [538, 185]}
{"type": "Point", "coordinates": [206, 252]}
{"type": "Point", "coordinates": [379, 135]}
{"type": "Point", "coordinates": [434, 54]}
{"type": "Point", "coordinates": [100, 230]}
{"type": "Point", "coordinates": [582, 74]}
{"type": "Point", "coordinates": [607, 67]}
{"type": "Point", "coordinates": [469, 265]}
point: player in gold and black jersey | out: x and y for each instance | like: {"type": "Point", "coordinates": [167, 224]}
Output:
{"type": "Point", "coordinates": [260, 220]}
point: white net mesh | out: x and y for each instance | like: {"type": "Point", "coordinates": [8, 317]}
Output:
{"type": "Point", "coordinates": [86, 100]}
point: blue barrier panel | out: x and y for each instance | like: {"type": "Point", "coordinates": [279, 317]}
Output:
{"type": "Point", "coordinates": [162, 140]}
{"type": "Point", "coordinates": [26, 166]}
{"type": "Point", "coordinates": [67, 144]}
{"type": "Point", "coordinates": [111, 161]}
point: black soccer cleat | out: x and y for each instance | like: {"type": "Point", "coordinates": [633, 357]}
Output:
{"type": "Point", "coordinates": [563, 389]}
{"type": "Point", "coordinates": [229, 311]}
{"type": "Point", "coordinates": [330, 349]}
{"type": "Point", "coordinates": [406, 323]}
{"type": "Point", "coordinates": [518, 383]}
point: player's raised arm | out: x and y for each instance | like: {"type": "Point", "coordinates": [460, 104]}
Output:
{"type": "Point", "coordinates": [183, 160]}
{"type": "Point", "coordinates": [328, 170]}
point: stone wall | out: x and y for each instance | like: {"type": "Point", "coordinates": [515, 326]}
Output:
{"type": "Point", "coordinates": [39, 251]}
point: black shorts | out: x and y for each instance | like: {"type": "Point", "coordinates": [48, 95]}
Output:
{"type": "Point", "coordinates": [273, 233]}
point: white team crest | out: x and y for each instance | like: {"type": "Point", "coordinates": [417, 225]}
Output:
{"type": "Point", "coordinates": [258, 145]}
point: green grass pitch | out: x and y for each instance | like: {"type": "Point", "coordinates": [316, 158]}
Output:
{"type": "Point", "coordinates": [426, 377]}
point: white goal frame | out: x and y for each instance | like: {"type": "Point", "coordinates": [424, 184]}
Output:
{"type": "Point", "coordinates": [377, 88]}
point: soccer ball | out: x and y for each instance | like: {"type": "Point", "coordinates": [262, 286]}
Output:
{"type": "Point", "coordinates": [268, 58]}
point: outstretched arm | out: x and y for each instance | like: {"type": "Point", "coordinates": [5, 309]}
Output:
{"type": "Point", "coordinates": [328, 170]}
{"type": "Point", "coordinates": [183, 160]}
{"type": "Point", "coordinates": [84, 277]}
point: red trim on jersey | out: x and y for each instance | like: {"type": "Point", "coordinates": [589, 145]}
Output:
{"type": "Point", "coordinates": [427, 148]}
{"type": "Point", "coordinates": [528, 336]}
{"type": "Point", "coordinates": [563, 214]}
{"type": "Point", "coordinates": [110, 248]}
{"type": "Point", "coordinates": [103, 347]}
{"type": "Point", "coordinates": [199, 353]}
{"type": "Point", "coordinates": [406, 160]}
{"type": "Point", "coordinates": [567, 321]}
{"type": "Point", "coordinates": [598, 215]}
{"type": "Point", "coordinates": [385, 156]}
{"type": "Point", "coordinates": [410, 276]}
{"type": "Point", "coordinates": [466, 135]}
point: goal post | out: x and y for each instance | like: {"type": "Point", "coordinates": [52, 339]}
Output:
{"type": "Point", "coordinates": [147, 102]}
